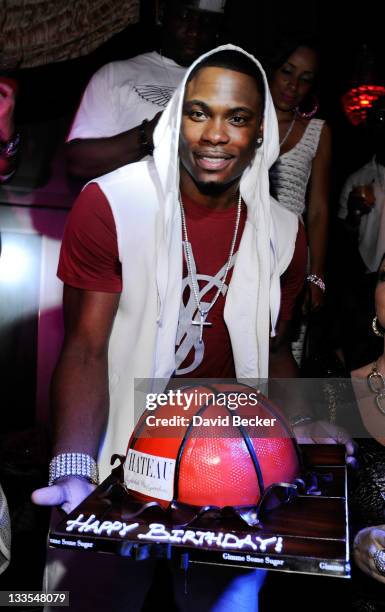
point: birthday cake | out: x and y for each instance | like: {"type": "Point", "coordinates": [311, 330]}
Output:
{"type": "Point", "coordinates": [218, 445]}
{"type": "Point", "coordinates": [214, 470]}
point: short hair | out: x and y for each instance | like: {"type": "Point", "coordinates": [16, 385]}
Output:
{"type": "Point", "coordinates": [233, 60]}
{"type": "Point", "coordinates": [285, 46]}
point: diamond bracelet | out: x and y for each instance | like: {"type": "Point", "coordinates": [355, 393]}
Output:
{"type": "Point", "coordinates": [316, 280]}
{"type": "Point", "coordinates": [73, 464]}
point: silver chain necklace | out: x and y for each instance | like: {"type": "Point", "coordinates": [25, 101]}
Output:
{"type": "Point", "coordinates": [289, 130]}
{"type": "Point", "coordinates": [376, 383]}
{"type": "Point", "coordinates": [194, 282]}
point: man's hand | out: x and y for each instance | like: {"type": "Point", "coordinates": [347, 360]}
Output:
{"type": "Point", "coordinates": [322, 432]}
{"type": "Point", "coordinates": [91, 157]}
{"type": "Point", "coordinates": [67, 493]}
{"type": "Point", "coordinates": [366, 543]}
{"type": "Point", "coordinates": [151, 125]}
{"type": "Point", "coordinates": [7, 106]}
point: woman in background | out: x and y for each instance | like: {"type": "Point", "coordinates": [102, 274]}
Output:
{"type": "Point", "coordinates": [368, 491]}
{"type": "Point", "coordinates": [300, 176]}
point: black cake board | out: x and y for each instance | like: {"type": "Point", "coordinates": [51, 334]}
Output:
{"type": "Point", "coordinates": [307, 535]}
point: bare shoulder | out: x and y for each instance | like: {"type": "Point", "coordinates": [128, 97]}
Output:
{"type": "Point", "coordinates": [324, 144]}
{"type": "Point", "coordinates": [326, 131]}
{"type": "Point", "coordinates": [362, 372]}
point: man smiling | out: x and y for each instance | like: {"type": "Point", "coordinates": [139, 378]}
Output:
{"type": "Point", "coordinates": [171, 267]}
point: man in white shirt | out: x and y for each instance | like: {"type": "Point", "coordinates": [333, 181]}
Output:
{"type": "Point", "coordinates": [364, 208]}
{"type": "Point", "coordinates": [362, 211]}
{"type": "Point", "coordinates": [124, 100]}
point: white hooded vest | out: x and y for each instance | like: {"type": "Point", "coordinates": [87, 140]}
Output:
{"type": "Point", "coordinates": [144, 202]}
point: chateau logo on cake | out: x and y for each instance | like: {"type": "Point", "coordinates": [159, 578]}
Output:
{"type": "Point", "coordinates": [150, 475]}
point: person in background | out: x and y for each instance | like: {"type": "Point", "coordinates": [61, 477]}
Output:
{"type": "Point", "coordinates": [368, 487]}
{"type": "Point", "coordinates": [5, 533]}
{"type": "Point", "coordinates": [9, 138]}
{"type": "Point", "coordinates": [124, 100]}
{"type": "Point", "coordinates": [300, 176]}
{"type": "Point", "coordinates": [362, 225]}
{"type": "Point", "coordinates": [362, 201]}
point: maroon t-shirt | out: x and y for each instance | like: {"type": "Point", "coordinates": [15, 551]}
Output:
{"type": "Point", "coordinates": [89, 260]}
{"type": "Point", "coordinates": [210, 233]}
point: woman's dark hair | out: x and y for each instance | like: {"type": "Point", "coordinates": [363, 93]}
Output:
{"type": "Point", "coordinates": [284, 47]}
{"type": "Point", "coordinates": [233, 60]}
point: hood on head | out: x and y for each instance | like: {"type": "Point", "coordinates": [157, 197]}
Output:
{"type": "Point", "coordinates": [266, 247]}
{"type": "Point", "coordinates": [166, 134]}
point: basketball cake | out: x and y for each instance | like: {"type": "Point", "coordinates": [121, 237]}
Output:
{"type": "Point", "coordinates": [219, 445]}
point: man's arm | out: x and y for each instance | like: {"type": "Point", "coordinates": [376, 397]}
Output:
{"type": "Point", "coordinates": [79, 390]}
{"type": "Point", "coordinates": [96, 143]}
{"type": "Point", "coordinates": [88, 158]}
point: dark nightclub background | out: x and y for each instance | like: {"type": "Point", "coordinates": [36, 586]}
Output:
{"type": "Point", "coordinates": [54, 90]}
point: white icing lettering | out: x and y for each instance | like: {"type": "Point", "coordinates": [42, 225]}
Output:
{"type": "Point", "coordinates": [97, 527]}
{"type": "Point", "coordinates": [200, 537]}
{"type": "Point", "coordinates": [279, 545]}
{"type": "Point", "coordinates": [105, 526]}
{"type": "Point", "coordinates": [212, 538]}
{"type": "Point", "coordinates": [189, 536]}
{"type": "Point", "coordinates": [231, 541]}
{"type": "Point", "coordinates": [128, 527]}
{"type": "Point", "coordinates": [176, 535]}
{"type": "Point", "coordinates": [247, 541]}
{"type": "Point", "coordinates": [157, 532]}
{"type": "Point", "coordinates": [78, 522]}
{"type": "Point", "coordinates": [263, 544]}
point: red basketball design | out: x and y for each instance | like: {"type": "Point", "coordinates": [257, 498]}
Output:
{"type": "Point", "coordinates": [215, 462]}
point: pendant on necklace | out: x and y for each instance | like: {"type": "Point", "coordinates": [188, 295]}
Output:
{"type": "Point", "coordinates": [202, 322]}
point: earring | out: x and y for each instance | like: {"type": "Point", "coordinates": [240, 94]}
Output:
{"type": "Point", "coordinates": [375, 328]}
{"type": "Point", "coordinates": [259, 141]}
{"type": "Point", "coordinates": [311, 113]}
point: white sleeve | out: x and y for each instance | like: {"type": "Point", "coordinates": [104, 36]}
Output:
{"type": "Point", "coordinates": [95, 117]}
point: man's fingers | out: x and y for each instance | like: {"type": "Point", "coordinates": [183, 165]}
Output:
{"type": "Point", "coordinates": [350, 446]}
{"type": "Point", "coordinates": [378, 536]}
{"type": "Point", "coordinates": [352, 462]}
{"type": "Point", "coordinates": [49, 496]}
